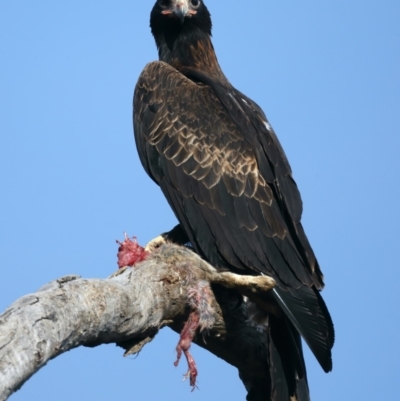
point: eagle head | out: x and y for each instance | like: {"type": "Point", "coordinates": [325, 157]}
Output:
{"type": "Point", "coordinates": [172, 17]}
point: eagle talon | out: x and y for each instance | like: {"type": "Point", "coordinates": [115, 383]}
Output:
{"type": "Point", "coordinates": [155, 244]}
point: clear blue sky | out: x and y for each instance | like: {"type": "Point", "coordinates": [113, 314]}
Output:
{"type": "Point", "coordinates": [327, 74]}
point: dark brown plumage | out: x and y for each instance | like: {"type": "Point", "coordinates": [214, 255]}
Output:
{"type": "Point", "coordinates": [224, 173]}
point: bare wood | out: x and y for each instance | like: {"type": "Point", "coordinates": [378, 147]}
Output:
{"type": "Point", "coordinates": [129, 308]}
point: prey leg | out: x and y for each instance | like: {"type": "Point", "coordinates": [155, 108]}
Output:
{"type": "Point", "coordinates": [187, 334]}
{"type": "Point", "coordinates": [200, 318]}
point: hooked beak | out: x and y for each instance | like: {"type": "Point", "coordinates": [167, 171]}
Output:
{"type": "Point", "coordinates": [180, 9]}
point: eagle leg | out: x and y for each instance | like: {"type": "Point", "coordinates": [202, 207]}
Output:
{"type": "Point", "coordinates": [201, 317]}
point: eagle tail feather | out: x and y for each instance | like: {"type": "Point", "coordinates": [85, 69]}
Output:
{"type": "Point", "coordinates": [287, 367]}
{"type": "Point", "coordinates": [308, 313]}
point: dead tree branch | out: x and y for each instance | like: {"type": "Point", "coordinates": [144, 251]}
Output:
{"type": "Point", "coordinates": [129, 308]}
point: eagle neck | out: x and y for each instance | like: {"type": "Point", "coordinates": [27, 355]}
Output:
{"type": "Point", "coordinates": [193, 50]}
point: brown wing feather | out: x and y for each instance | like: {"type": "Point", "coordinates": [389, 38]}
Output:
{"type": "Point", "coordinates": [191, 142]}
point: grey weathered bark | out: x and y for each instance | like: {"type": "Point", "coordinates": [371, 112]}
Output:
{"type": "Point", "coordinates": [129, 308]}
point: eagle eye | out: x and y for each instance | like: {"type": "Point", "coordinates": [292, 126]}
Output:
{"type": "Point", "coordinates": [195, 3]}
